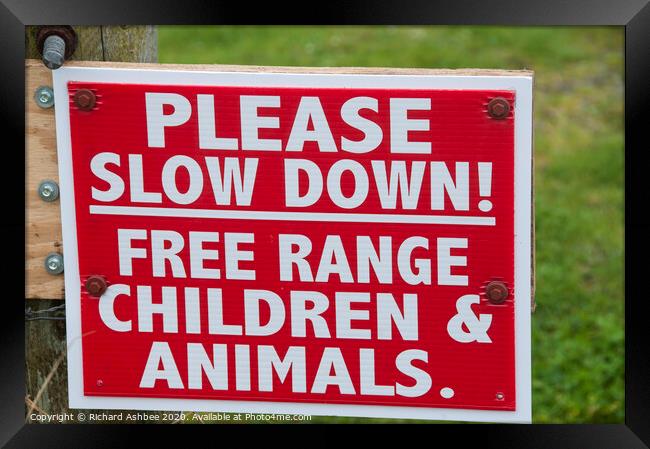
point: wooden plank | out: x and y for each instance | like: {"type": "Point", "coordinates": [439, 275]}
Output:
{"type": "Point", "coordinates": [292, 69]}
{"type": "Point", "coordinates": [43, 219]}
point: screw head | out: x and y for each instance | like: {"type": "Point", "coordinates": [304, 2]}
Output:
{"type": "Point", "coordinates": [500, 396]}
{"type": "Point", "coordinates": [84, 99]}
{"type": "Point", "coordinates": [496, 292]}
{"type": "Point", "coordinates": [48, 191]}
{"type": "Point", "coordinates": [100, 382]}
{"type": "Point", "coordinates": [44, 97]}
{"type": "Point", "coordinates": [54, 263]}
{"type": "Point", "coordinates": [96, 285]}
{"type": "Point", "coordinates": [498, 108]}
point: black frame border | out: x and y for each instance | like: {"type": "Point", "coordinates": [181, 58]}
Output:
{"type": "Point", "coordinates": [634, 15]}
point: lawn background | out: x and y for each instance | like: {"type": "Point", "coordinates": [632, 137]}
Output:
{"type": "Point", "coordinates": [578, 327]}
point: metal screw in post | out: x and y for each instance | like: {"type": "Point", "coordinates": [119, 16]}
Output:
{"type": "Point", "coordinates": [53, 52]}
{"type": "Point", "coordinates": [56, 44]}
{"type": "Point", "coordinates": [48, 191]}
{"type": "Point", "coordinates": [44, 97]}
{"type": "Point", "coordinates": [54, 263]}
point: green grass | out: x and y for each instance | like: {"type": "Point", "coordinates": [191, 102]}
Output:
{"type": "Point", "coordinates": [578, 334]}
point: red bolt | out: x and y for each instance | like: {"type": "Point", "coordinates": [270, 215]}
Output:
{"type": "Point", "coordinates": [84, 99]}
{"type": "Point", "coordinates": [496, 292]}
{"type": "Point", "coordinates": [96, 285]}
{"type": "Point", "coordinates": [100, 382]}
{"type": "Point", "coordinates": [498, 108]}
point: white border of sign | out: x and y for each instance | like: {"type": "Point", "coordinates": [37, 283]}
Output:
{"type": "Point", "coordinates": [522, 85]}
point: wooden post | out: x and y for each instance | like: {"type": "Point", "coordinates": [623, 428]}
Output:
{"type": "Point", "coordinates": [107, 43]}
{"type": "Point", "coordinates": [45, 339]}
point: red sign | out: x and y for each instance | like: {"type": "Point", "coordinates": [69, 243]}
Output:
{"type": "Point", "coordinates": [347, 245]}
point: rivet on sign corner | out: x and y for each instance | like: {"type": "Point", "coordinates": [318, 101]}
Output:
{"type": "Point", "coordinates": [44, 97]}
{"type": "Point", "coordinates": [84, 99]}
{"type": "Point", "coordinates": [96, 285]}
{"type": "Point", "coordinates": [48, 191]}
{"type": "Point", "coordinates": [496, 292]}
{"type": "Point", "coordinates": [54, 263]}
{"type": "Point", "coordinates": [498, 108]}
{"type": "Point", "coordinates": [500, 396]}
{"type": "Point", "coordinates": [100, 382]}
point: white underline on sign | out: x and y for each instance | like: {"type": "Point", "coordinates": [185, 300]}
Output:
{"type": "Point", "coordinates": [290, 216]}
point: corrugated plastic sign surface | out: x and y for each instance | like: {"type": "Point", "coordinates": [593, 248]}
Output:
{"type": "Point", "coordinates": [295, 243]}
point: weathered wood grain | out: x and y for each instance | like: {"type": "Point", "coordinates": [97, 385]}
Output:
{"type": "Point", "coordinates": [43, 219]}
